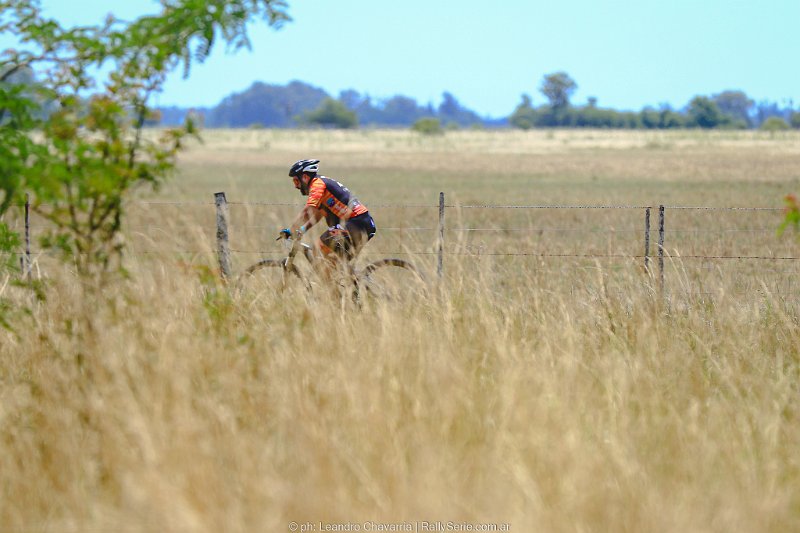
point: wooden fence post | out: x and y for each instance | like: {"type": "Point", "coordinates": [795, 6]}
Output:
{"type": "Point", "coordinates": [661, 246]}
{"type": "Point", "coordinates": [440, 264]}
{"type": "Point", "coordinates": [28, 266]}
{"type": "Point", "coordinates": [647, 240]}
{"type": "Point", "coordinates": [223, 250]}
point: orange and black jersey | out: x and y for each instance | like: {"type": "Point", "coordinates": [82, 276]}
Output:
{"type": "Point", "coordinates": [336, 200]}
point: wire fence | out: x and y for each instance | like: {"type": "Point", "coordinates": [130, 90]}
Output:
{"type": "Point", "coordinates": [652, 248]}
{"type": "Point", "coordinates": [718, 244]}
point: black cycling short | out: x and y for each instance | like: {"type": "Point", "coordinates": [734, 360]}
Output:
{"type": "Point", "coordinates": [347, 241]}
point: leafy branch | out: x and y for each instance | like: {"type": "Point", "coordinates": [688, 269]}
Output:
{"type": "Point", "coordinates": [73, 139]}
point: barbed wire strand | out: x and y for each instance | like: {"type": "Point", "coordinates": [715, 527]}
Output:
{"type": "Point", "coordinates": [452, 206]}
{"type": "Point", "coordinates": [535, 229]}
{"type": "Point", "coordinates": [494, 206]}
{"type": "Point", "coordinates": [482, 253]}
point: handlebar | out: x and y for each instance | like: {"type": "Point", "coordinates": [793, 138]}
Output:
{"type": "Point", "coordinates": [287, 234]}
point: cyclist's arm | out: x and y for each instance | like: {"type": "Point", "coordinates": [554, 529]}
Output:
{"type": "Point", "coordinates": [308, 216]}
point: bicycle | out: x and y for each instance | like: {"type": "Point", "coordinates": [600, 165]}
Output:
{"type": "Point", "coordinates": [389, 279]}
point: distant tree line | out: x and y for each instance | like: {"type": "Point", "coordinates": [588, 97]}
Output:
{"type": "Point", "coordinates": [728, 109]}
{"type": "Point", "coordinates": [300, 104]}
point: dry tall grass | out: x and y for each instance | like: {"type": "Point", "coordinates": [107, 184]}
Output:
{"type": "Point", "coordinates": [551, 396]}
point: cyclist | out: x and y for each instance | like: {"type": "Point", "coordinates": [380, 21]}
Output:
{"type": "Point", "coordinates": [350, 225]}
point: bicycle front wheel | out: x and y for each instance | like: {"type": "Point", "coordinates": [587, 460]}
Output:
{"type": "Point", "coordinates": [392, 280]}
{"type": "Point", "coordinates": [270, 276]}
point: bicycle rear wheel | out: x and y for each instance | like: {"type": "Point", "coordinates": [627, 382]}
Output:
{"type": "Point", "coordinates": [392, 280]}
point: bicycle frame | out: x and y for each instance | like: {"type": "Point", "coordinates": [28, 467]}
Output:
{"type": "Point", "coordinates": [361, 279]}
{"type": "Point", "coordinates": [298, 245]}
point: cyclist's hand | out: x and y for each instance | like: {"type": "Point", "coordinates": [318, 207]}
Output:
{"type": "Point", "coordinates": [285, 233]}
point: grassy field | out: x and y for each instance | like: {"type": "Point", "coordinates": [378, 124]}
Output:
{"type": "Point", "coordinates": [558, 389]}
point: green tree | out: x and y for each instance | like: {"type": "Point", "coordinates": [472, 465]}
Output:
{"type": "Point", "coordinates": [669, 119]}
{"type": "Point", "coordinates": [774, 124]}
{"type": "Point", "coordinates": [704, 113]}
{"type": "Point", "coordinates": [650, 118]}
{"type": "Point", "coordinates": [428, 126]}
{"type": "Point", "coordinates": [451, 111]}
{"type": "Point", "coordinates": [332, 114]}
{"type": "Point", "coordinates": [736, 106]}
{"type": "Point", "coordinates": [558, 88]}
{"type": "Point", "coordinates": [524, 116]}
{"type": "Point", "coordinates": [271, 105]}
{"type": "Point", "coordinates": [401, 111]}
{"type": "Point", "coordinates": [794, 120]}
{"type": "Point", "coordinates": [81, 159]}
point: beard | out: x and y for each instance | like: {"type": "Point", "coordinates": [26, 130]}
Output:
{"type": "Point", "coordinates": [304, 187]}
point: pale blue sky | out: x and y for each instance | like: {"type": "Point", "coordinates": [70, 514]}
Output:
{"type": "Point", "coordinates": [627, 53]}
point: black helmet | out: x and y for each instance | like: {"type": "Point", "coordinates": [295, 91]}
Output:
{"type": "Point", "coordinates": [304, 166]}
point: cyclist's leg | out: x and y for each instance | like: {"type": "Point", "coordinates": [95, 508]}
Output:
{"type": "Point", "coordinates": [337, 250]}
{"type": "Point", "coordinates": [361, 229]}
{"type": "Point", "coordinates": [336, 241]}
